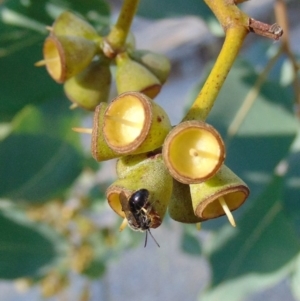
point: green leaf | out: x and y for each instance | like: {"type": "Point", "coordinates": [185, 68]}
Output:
{"type": "Point", "coordinates": [52, 119]}
{"type": "Point", "coordinates": [35, 168]}
{"type": "Point", "coordinates": [96, 269]}
{"type": "Point", "coordinates": [21, 13]}
{"type": "Point", "coordinates": [266, 133]}
{"type": "Point", "coordinates": [21, 82]}
{"type": "Point", "coordinates": [295, 280]}
{"type": "Point", "coordinates": [259, 253]}
{"type": "Point", "coordinates": [22, 28]}
{"type": "Point", "coordinates": [157, 9]}
{"type": "Point", "coordinates": [45, 11]}
{"type": "Point", "coordinates": [291, 194]}
{"type": "Point", "coordinates": [190, 244]}
{"type": "Point", "coordinates": [287, 72]}
{"type": "Point", "coordinates": [163, 8]}
{"type": "Point", "coordinates": [26, 248]}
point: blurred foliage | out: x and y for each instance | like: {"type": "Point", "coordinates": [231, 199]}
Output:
{"type": "Point", "coordinates": [47, 225]}
{"type": "Point", "coordinates": [26, 248]}
{"type": "Point", "coordinates": [170, 9]}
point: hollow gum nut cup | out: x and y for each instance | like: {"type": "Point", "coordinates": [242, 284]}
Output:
{"type": "Point", "coordinates": [66, 56]}
{"type": "Point", "coordinates": [151, 175]}
{"type": "Point", "coordinates": [223, 187]}
{"type": "Point", "coordinates": [193, 152]}
{"type": "Point", "coordinates": [135, 124]}
{"type": "Point", "coordinates": [100, 150]}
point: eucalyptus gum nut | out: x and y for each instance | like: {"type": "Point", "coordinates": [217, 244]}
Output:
{"type": "Point", "coordinates": [126, 163]}
{"type": "Point", "coordinates": [151, 175]}
{"type": "Point", "coordinates": [66, 56]}
{"type": "Point", "coordinates": [193, 152]}
{"type": "Point", "coordinates": [157, 63]}
{"type": "Point", "coordinates": [135, 124]}
{"type": "Point", "coordinates": [133, 76]}
{"type": "Point", "coordinates": [224, 184]}
{"type": "Point", "coordinates": [68, 24]}
{"type": "Point", "coordinates": [180, 206]}
{"type": "Point", "coordinates": [100, 150]}
{"type": "Point", "coordinates": [90, 87]}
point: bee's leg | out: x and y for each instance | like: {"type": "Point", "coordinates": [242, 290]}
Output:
{"type": "Point", "coordinates": [146, 238]}
{"type": "Point", "coordinates": [145, 210]}
{"type": "Point", "coordinates": [124, 224]}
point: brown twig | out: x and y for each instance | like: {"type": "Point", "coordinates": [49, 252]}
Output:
{"type": "Point", "coordinates": [281, 16]}
{"type": "Point", "coordinates": [273, 31]}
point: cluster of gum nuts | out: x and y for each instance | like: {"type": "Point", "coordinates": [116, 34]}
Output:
{"type": "Point", "coordinates": [182, 167]}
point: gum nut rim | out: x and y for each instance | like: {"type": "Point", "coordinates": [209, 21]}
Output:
{"type": "Point", "coordinates": [234, 197]}
{"type": "Point", "coordinates": [113, 197]}
{"type": "Point", "coordinates": [193, 152]}
{"type": "Point", "coordinates": [127, 121]}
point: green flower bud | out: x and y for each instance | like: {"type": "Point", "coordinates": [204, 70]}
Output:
{"type": "Point", "coordinates": [151, 175]}
{"type": "Point", "coordinates": [157, 63]}
{"type": "Point", "coordinates": [180, 207]}
{"type": "Point", "coordinates": [68, 24]}
{"type": "Point", "coordinates": [132, 76]}
{"type": "Point", "coordinates": [90, 87]}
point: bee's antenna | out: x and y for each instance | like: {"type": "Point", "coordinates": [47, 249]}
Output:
{"type": "Point", "coordinates": [146, 238]}
{"type": "Point", "coordinates": [152, 237]}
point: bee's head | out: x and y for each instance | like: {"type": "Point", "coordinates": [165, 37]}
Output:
{"type": "Point", "coordinates": [139, 198]}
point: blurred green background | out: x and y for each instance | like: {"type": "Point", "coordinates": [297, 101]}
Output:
{"type": "Point", "coordinates": [58, 236]}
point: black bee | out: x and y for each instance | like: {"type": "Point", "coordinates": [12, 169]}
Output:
{"type": "Point", "coordinates": [139, 212]}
